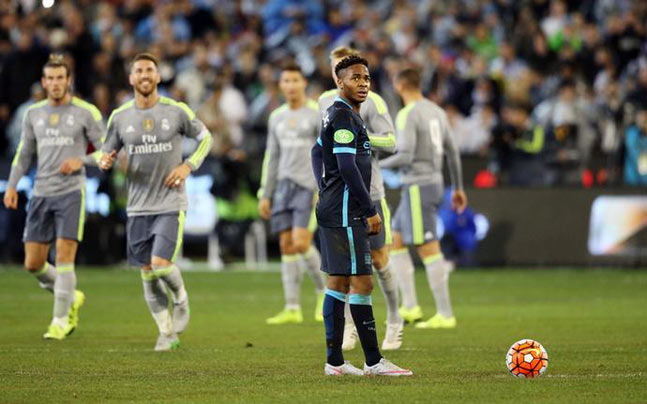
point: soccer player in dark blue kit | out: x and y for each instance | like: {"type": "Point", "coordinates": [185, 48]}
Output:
{"type": "Point", "coordinates": [341, 162]}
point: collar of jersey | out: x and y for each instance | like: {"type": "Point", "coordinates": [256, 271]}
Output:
{"type": "Point", "coordinates": [338, 98]}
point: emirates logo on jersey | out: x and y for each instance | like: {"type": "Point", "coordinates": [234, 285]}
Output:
{"type": "Point", "coordinates": [148, 125]}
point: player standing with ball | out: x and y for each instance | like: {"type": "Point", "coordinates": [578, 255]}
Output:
{"type": "Point", "coordinates": [341, 163]}
{"type": "Point", "coordinates": [150, 128]}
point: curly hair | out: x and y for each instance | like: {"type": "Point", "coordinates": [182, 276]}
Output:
{"type": "Point", "coordinates": [350, 61]}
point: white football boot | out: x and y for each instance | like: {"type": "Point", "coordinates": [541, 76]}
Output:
{"type": "Point", "coordinates": [386, 368]}
{"type": "Point", "coordinates": [346, 369]}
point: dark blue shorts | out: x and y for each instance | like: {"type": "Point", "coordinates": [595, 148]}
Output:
{"type": "Point", "coordinates": [345, 251]}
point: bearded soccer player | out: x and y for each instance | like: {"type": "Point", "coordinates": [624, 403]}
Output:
{"type": "Point", "coordinates": [424, 136]}
{"type": "Point", "coordinates": [287, 191]}
{"type": "Point", "coordinates": [150, 128]}
{"type": "Point", "coordinates": [378, 122]}
{"type": "Point", "coordinates": [57, 130]}
{"type": "Point", "coordinates": [341, 163]}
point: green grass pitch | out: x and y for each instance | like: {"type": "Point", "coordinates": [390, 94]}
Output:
{"type": "Point", "coordinates": [593, 324]}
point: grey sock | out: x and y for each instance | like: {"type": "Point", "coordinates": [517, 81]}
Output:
{"type": "Point", "coordinates": [157, 300]}
{"type": "Point", "coordinates": [291, 277]}
{"type": "Point", "coordinates": [46, 277]}
{"type": "Point", "coordinates": [63, 291]}
{"type": "Point", "coordinates": [389, 288]}
{"type": "Point", "coordinates": [348, 316]}
{"type": "Point", "coordinates": [403, 264]}
{"type": "Point", "coordinates": [438, 278]}
{"type": "Point", "coordinates": [172, 277]}
{"type": "Point", "coordinates": [312, 261]}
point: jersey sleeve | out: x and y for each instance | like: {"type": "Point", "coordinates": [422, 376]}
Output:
{"type": "Point", "coordinates": [406, 140]}
{"type": "Point", "coordinates": [195, 129]}
{"type": "Point", "coordinates": [344, 137]}
{"type": "Point", "coordinates": [380, 125]}
{"type": "Point", "coordinates": [24, 153]}
{"type": "Point", "coordinates": [452, 154]}
{"type": "Point", "coordinates": [95, 132]}
{"type": "Point", "coordinates": [112, 140]}
{"type": "Point", "coordinates": [270, 164]}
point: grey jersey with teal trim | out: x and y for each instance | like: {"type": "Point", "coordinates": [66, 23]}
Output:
{"type": "Point", "coordinates": [424, 135]}
{"type": "Point", "coordinates": [379, 125]}
{"type": "Point", "coordinates": [292, 132]}
{"type": "Point", "coordinates": [55, 134]}
{"type": "Point", "coordinates": [152, 139]}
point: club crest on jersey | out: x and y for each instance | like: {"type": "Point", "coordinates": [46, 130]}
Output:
{"type": "Point", "coordinates": [148, 125]}
{"type": "Point", "coordinates": [165, 124]}
{"type": "Point", "coordinates": [343, 136]}
{"type": "Point", "coordinates": [54, 119]}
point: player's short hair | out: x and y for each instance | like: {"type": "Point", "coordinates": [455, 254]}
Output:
{"type": "Point", "coordinates": [349, 61]}
{"type": "Point", "coordinates": [57, 60]}
{"type": "Point", "coordinates": [145, 56]}
{"type": "Point", "coordinates": [291, 67]}
{"type": "Point", "coordinates": [410, 77]}
{"type": "Point", "coordinates": [341, 52]}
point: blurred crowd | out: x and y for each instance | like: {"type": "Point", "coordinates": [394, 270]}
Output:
{"type": "Point", "coordinates": [540, 92]}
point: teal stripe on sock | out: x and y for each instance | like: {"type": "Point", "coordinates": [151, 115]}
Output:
{"type": "Point", "coordinates": [360, 299]}
{"type": "Point", "coordinates": [336, 295]}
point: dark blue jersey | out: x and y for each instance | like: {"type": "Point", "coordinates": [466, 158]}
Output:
{"type": "Point", "coordinates": [343, 197]}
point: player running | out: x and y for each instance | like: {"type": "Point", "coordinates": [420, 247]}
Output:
{"type": "Point", "coordinates": [341, 162]}
{"type": "Point", "coordinates": [57, 130]}
{"type": "Point", "coordinates": [424, 135]}
{"type": "Point", "coordinates": [150, 128]}
{"type": "Point", "coordinates": [287, 191]}
{"type": "Point", "coordinates": [378, 122]}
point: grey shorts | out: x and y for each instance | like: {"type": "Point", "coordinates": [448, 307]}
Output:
{"type": "Point", "coordinates": [154, 235]}
{"type": "Point", "coordinates": [51, 217]}
{"type": "Point", "coordinates": [292, 206]}
{"type": "Point", "coordinates": [384, 236]}
{"type": "Point", "coordinates": [415, 218]}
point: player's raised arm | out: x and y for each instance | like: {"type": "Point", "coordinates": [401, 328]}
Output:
{"type": "Point", "coordinates": [20, 163]}
{"type": "Point", "coordinates": [406, 140]}
{"type": "Point", "coordinates": [381, 130]}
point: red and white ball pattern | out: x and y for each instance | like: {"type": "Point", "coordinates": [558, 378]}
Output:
{"type": "Point", "coordinates": [527, 359]}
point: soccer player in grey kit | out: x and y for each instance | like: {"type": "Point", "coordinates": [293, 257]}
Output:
{"type": "Point", "coordinates": [57, 130]}
{"type": "Point", "coordinates": [151, 128]}
{"type": "Point", "coordinates": [286, 196]}
{"type": "Point", "coordinates": [424, 136]}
